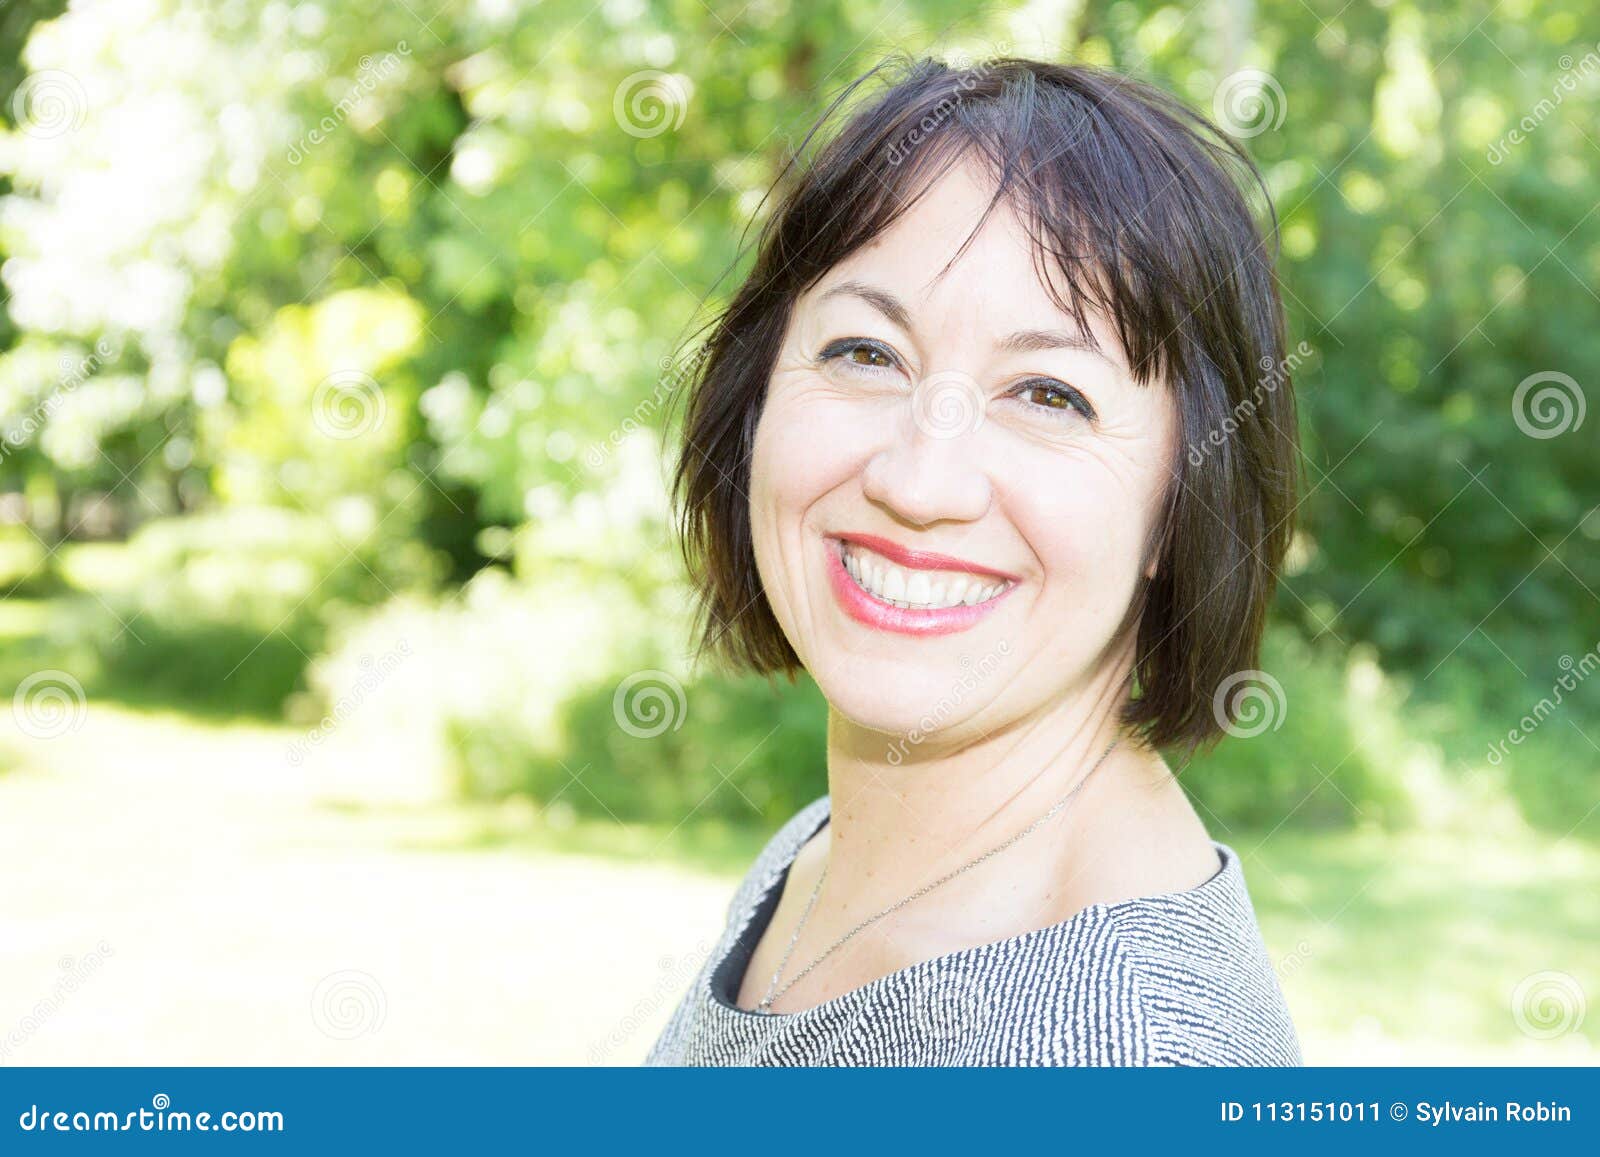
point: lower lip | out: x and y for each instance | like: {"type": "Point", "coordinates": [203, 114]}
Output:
{"type": "Point", "coordinates": [873, 612]}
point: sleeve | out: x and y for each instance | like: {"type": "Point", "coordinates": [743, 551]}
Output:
{"type": "Point", "coordinates": [1208, 1000]}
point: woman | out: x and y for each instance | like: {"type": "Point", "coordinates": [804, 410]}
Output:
{"type": "Point", "coordinates": [994, 443]}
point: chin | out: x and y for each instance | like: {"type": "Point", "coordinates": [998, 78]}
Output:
{"type": "Point", "coordinates": [907, 703]}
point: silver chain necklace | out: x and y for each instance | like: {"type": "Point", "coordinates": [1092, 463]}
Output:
{"type": "Point", "coordinates": [766, 1001]}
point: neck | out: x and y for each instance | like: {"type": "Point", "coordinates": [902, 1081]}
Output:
{"type": "Point", "coordinates": [904, 813]}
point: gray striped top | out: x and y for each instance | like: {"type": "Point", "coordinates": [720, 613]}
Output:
{"type": "Point", "coordinates": [1181, 978]}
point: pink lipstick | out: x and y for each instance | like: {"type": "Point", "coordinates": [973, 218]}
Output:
{"type": "Point", "coordinates": [870, 610]}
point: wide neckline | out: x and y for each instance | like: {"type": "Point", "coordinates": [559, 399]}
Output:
{"type": "Point", "coordinates": [758, 913]}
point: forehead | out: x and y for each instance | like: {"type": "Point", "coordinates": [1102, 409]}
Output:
{"type": "Point", "coordinates": [956, 257]}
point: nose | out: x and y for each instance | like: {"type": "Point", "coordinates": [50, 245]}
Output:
{"type": "Point", "coordinates": [926, 474]}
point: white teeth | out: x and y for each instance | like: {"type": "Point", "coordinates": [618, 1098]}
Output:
{"type": "Point", "coordinates": [916, 589]}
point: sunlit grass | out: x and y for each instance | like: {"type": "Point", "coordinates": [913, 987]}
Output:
{"type": "Point", "coordinates": [1412, 946]}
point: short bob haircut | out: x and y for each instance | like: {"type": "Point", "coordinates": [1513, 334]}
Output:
{"type": "Point", "coordinates": [1133, 198]}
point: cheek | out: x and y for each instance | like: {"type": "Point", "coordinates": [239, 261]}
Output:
{"type": "Point", "coordinates": [804, 448]}
{"type": "Point", "coordinates": [801, 453]}
{"type": "Point", "coordinates": [1087, 526]}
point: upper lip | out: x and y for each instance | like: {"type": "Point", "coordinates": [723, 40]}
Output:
{"type": "Point", "coordinates": [922, 559]}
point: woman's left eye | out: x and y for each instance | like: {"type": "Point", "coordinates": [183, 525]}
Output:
{"type": "Point", "coordinates": [859, 354]}
{"type": "Point", "coordinates": [1053, 395]}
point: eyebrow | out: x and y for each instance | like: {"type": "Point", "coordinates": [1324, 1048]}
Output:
{"type": "Point", "coordinates": [1022, 341]}
{"type": "Point", "coordinates": [884, 302]}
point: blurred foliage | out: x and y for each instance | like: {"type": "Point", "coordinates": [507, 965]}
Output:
{"type": "Point", "coordinates": [223, 608]}
{"type": "Point", "coordinates": [328, 328]}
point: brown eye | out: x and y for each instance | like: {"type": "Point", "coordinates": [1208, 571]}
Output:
{"type": "Point", "coordinates": [864, 355]}
{"type": "Point", "coordinates": [1052, 395]}
{"type": "Point", "coordinates": [860, 354]}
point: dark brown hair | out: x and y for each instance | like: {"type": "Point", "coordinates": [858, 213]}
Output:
{"type": "Point", "coordinates": [1135, 199]}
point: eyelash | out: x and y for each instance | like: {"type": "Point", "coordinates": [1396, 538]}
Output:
{"type": "Point", "coordinates": [1075, 401]}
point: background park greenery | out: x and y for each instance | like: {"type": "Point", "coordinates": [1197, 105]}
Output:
{"type": "Point", "coordinates": [337, 359]}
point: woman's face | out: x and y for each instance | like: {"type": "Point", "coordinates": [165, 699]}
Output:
{"type": "Point", "coordinates": [951, 496]}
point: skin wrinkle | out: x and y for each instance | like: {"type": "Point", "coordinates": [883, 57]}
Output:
{"type": "Point", "coordinates": [1066, 504]}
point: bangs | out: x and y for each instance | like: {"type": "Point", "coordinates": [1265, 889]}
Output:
{"type": "Point", "coordinates": [1113, 201]}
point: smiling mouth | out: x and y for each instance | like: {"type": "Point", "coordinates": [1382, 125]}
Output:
{"type": "Point", "coordinates": [913, 589]}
